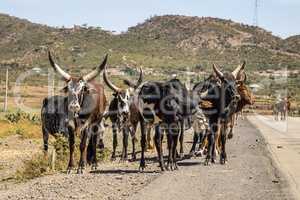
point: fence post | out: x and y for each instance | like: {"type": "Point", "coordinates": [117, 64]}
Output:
{"type": "Point", "coordinates": [53, 159]}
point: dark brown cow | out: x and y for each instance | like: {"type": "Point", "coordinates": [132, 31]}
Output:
{"type": "Point", "coordinates": [86, 105]}
{"type": "Point", "coordinates": [246, 98]}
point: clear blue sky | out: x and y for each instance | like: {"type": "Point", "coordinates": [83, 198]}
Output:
{"type": "Point", "coordinates": [282, 17]}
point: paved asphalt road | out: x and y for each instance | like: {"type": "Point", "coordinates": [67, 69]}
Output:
{"type": "Point", "coordinates": [250, 173]}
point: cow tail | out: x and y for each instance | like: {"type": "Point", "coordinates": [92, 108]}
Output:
{"type": "Point", "coordinates": [45, 138]}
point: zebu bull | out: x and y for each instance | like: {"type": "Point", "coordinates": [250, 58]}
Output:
{"type": "Point", "coordinates": [122, 114]}
{"type": "Point", "coordinates": [54, 116]}
{"type": "Point", "coordinates": [86, 105]}
{"type": "Point", "coordinates": [171, 103]}
{"type": "Point", "coordinates": [224, 97]}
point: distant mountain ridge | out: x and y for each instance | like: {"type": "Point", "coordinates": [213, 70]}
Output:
{"type": "Point", "coordinates": [169, 41]}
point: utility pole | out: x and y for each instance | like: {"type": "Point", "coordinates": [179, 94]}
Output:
{"type": "Point", "coordinates": [255, 18]}
{"type": "Point", "coordinates": [6, 90]}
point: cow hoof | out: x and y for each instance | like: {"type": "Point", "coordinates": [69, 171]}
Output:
{"type": "Point", "coordinates": [206, 162]}
{"type": "Point", "coordinates": [94, 166]}
{"type": "Point", "coordinates": [142, 166]}
{"type": "Point", "coordinates": [168, 167]}
{"type": "Point", "coordinates": [79, 171]}
{"type": "Point", "coordinates": [175, 166]}
{"type": "Point", "coordinates": [222, 161]}
{"type": "Point", "coordinates": [133, 158]}
{"type": "Point", "coordinates": [181, 155]}
{"type": "Point", "coordinates": [69, 169]}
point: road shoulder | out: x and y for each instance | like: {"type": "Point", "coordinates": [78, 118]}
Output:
{"type": "Point", "coordinates": [284, 145]}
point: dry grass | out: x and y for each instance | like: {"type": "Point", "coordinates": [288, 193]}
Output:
{"type": "Point", "coordinates": [35, 167]}
{"type": "Point", "coordinates": [26, 129]}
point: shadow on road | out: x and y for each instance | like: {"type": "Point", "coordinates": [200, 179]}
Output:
{"type": "Point", "coordinates": [122, 171]}
{"type": "Point", "coordinates": [189, 163]}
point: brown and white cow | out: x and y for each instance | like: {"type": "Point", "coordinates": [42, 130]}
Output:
{"type": "Point", "coordinates": [86, 106]}
{"type": "Point", "coordinates": [247, 98]}
{"type": "Point", "coordinates": [123, 113]}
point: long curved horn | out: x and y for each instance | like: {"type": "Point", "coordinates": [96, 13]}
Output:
{"type": "Point", "coordinates": [140, 80]}
{"type": "Point", "coordinates": [57, 68]}
{"type": "Point", "coordinates": [238, 69]}
{"type": "Point", "coordinates": [108, 83]}
{"type": "Point", "coordinates": [93, 74]}
{"type": "Point", "coordinates": [138, 83]}
{"type": "Point", "coordinates": [245, 77]}
{"type": "Point", "coordinates": [242, 76]}
{"type": "Point", "coordinates": [218, 72]}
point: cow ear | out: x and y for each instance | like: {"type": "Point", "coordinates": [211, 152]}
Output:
{"type": "Point", "coordinates": [90, 90]}
{"type": "Point", "coordinates": [64, 89]}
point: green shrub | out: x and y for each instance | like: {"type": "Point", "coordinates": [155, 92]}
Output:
{"type": "Point", "coordinates": [15, 117]}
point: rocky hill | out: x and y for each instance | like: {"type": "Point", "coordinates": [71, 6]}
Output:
{"type": "Point", "coordinates": [164, 42]}
{"type": "Point", "coordinates": [292, 44]}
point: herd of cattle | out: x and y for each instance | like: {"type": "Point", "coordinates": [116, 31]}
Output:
{"type": "Point", "coordinates": [169, 107]}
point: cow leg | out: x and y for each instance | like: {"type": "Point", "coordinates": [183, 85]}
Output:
{"type": "Point", "coordinates": [181, 155]}
{"type": "Point", "coordinates": [115, 141]}
{"type": "Point", "coordinates": [71, 148]}
{"type": "Point", "coordinates": [211, 146]}
{"type": "Point", "coordinates": [143, 145]}
{"type": "Point", "coordinates": [174, 147]}
{"type": "Point", "coordinates": [202, 145]}
{"type": "Point", "coordinates": [125, 144]}
{"type": "Point", "coordinates": [170, 145]}
{"type": "Point", "coordinates": [232, 121]}
{"type": "Point", "coordinates": [133, 140]}
{"type": "Point", "coordinates": [158, 145]}
{"type": "Point", "coordinates": [223, 155]}
{"type": "Point", "coordinates": [195, 141]}
{"type": "Point", "coordinates": [85, 138]}
{"type": "Point", "coordinates": [149, 138]}
{"type": "Point", "coordinates": [95, 142]}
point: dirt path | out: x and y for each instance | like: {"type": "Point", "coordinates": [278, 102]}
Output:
{"type": "Point", "coordinates": [250, 174]}
{"type": "Point", "coordinates": [13, 152]}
